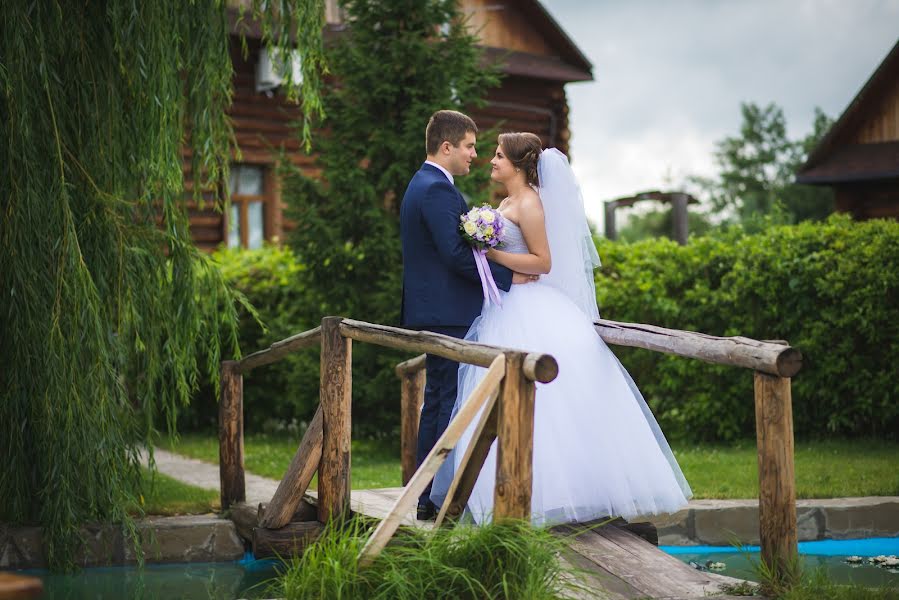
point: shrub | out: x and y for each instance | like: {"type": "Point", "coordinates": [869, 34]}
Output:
{"type": "Point", "coordinates": [271, 279]}
{"type": "Point", "coordinates": [831, 289]}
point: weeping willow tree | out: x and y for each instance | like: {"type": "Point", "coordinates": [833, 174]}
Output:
{"type": "Point", "coordinates": [109, 314]}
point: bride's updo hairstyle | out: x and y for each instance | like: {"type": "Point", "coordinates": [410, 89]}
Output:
{"type": "Point", "coordinates": [523, 149]}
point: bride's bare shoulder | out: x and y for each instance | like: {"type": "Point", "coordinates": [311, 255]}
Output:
{"type": "Point", "coordinates": [530, 200]}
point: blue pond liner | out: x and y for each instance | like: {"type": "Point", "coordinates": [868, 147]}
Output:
{"type": "Point", "coordinates": [863, 547]}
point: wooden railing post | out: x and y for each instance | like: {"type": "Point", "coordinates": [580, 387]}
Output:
{"type": "Point", "coordinates": [515, 433]}
{"type": "Point", "coordinates": [335, 397]}
{"type": "Point", "coordinates": [777, 487]}
{"type": "Point", "coordinates": [231, 471]}
{"type": "Point", "coordinates": [412, 390]}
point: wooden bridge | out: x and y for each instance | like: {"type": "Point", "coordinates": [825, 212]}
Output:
{"type": "Point", "coordinates": [620, 564]}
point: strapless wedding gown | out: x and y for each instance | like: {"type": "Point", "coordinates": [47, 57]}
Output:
{"type": "Point", "coordinates": [598, 450]}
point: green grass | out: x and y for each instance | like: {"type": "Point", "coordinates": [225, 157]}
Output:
{"type": "Point", "coordinates": [513, 561]}
{"type": "Point", "coordinates": [824, 469]}
{"type": "Point", "coordinates": [166, 496]}
{"type": "Point", "coordinates": [375, 464]}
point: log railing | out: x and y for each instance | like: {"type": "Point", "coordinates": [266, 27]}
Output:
{"type": "Point", "coordinates": [505, 401]}
{"type": "Point", "coordinates": [773, 363]}
{"type": "Point", "coordinates": [325, 447]}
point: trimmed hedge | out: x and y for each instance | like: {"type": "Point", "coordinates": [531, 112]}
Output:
{"type": "Point", "coordinates": [831, 289]}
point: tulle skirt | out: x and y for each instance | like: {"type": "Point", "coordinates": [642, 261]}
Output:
{"type": "Point", "coordinates": [598, 450]}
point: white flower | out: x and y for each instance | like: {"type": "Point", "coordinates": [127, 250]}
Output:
{"type": "Point", "coordinates": [487, 216]}
{"type": "Point", "coordinates": [470, 227]}
{"type": "Point", "coordinates": [488, 230]}
{"type": "Point", "coordinates": [473, 214]}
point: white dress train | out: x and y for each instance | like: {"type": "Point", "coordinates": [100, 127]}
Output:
{"type": "Point", "coordinates": [598, 450]}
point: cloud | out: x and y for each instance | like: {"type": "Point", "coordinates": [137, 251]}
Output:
{"type": "Point", "coordinates": [670, 77]}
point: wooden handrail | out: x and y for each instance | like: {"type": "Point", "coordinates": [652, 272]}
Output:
{"type": "Point", "coordinates": [768, 357]}
{"type": "Point", "coordinates": [771, 357]}
{"type": "Point", "coordinates": [537, 366]}
{"type": "Point", "coordinates": [279, 350]}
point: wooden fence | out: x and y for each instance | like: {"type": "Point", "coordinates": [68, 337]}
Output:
{"type": "Point", "coordinates": [506, 396]}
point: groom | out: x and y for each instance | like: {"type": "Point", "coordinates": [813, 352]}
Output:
{"type": "Point", "coordinates": [441, 286]}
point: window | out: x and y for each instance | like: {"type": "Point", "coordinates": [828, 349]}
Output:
{"type": "Point", "coordinates": [246, 222]}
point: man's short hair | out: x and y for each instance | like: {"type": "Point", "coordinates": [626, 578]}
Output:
{"type": "Point", "coordinates": [447, 126]}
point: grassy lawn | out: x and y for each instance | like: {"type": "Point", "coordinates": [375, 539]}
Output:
{"type": "Point", "coordinates": [827, 469]}
{"type": "Point", "coordinates": [823, 469]}
{"type": "Point", "coordinates": [375, 464]}
{"type": "Point", "coordinates": [166, 496]}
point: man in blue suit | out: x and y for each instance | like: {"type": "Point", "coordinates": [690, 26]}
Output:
{"type": "Point", "coordinates": [441, 286]}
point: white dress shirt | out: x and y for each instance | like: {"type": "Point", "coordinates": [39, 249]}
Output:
{"type": "Point", "coordinates": [445, 172]}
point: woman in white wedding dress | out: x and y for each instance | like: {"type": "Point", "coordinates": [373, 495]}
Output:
{"type": "Point", "coordinates": [598, 450]}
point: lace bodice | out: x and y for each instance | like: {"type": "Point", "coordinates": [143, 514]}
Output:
{"type": "Point", "coordinates": [514, 239]}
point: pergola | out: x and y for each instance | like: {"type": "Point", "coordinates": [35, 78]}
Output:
{"type": "Point", "coordinates": [678, 200]}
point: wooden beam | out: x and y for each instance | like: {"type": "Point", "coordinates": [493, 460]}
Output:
{"type": "Point", "coordinates": [290, 540]}
{"type": "Point", "coordinates": [335, 398]}
{"type": "Point", "coordinates": [412, 390]}
{"type": "Point", "coordinates": [279, 350]}
{"type": "Point", "coordinates": [432, 462]}
{"type": "Point", "coordinates": [679, 217]}
{"type": "Point", "coordinates": [231, 470]}
{"type": "Point", "coordinates": [470, 466]}
{"type": "Point", "coordinates": [611, 231]}
{"type": "Point", "coordinates": [295, 482]}
{"type": "Point", "coordinates": [537, 366]}
{"type": "Point", "coordinates": [411, 365]}
{"type": "Point", "coordinates": [777, 484]}
{"type": "Point", "coordinates": [14, 585]}
{"type": "Point", "coordinates": [515, 448]}
{"type": "Point", "coordinates": [767, 357]}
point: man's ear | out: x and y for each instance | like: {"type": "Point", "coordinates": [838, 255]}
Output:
{"type": "Point", "coordinates": [445, 147]}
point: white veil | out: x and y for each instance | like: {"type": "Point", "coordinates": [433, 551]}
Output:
{"type": "Point", "coordinates": [571, 245]}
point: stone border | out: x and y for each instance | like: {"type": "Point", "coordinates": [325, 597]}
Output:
{"type": "Point", "coordinates": [717, 522]}
{"type": "Point", "coordinates": [194, 538]}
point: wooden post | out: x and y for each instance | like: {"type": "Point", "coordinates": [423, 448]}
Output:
{"type": "Point", "coordinates": [611, 232]}
{"type": "Point", "coordinates": [335, 393]}
{"type": "Point", "coordinates": [777, 487]}
{"type": "Point", "coordinates": [231, 471]}
{"type": "Point", "coordinates": [679, 217]}
{"type": "Point", "coordinates": [411, 397]}
{"type": "Point", "coordinates": [515, 448]}
{"type": "Point", "coordinates": [297, 478]}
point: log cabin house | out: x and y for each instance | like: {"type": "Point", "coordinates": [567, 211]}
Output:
{"type": "Point", "coordinates": [538, 60]}
{"type": "Point", "coordinates": [859, 155]}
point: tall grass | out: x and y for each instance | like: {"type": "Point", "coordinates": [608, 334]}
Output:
{"type": "Point", "coordinates": [508, 560]}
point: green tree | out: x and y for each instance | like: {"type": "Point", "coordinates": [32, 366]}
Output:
{"type": "Point", "coordinates": [106, 316]}
{"type": "Point", "coordinates": [757, 169]}
{"type": "Point", "coordinates": [660, 223]}
{"type": "Point", "coordinates": [395, 65]}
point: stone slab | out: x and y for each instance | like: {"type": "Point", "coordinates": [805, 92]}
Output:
{"type": "Point", "coordinates": [718, 522]}
{"type": "Point", "coordinates": [196, 538]}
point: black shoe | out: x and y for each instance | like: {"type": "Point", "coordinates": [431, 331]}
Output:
{"type": "Point", "coordinates": [426, 512]}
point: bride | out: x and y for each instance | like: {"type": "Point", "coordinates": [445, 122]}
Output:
{"type": "Point", "coordinates": [598, 450]}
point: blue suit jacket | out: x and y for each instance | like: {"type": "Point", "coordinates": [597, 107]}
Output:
{"type": "Point", "coordinates": [441, 285]}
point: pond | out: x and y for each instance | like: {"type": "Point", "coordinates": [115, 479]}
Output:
{"type": "Point", "coordinates": [226, 580]}
{"type": "Point", "coordinates": [829, 555]}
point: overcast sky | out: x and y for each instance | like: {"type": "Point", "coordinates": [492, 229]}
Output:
{"type": "Point", "coordinates": [670, 76]}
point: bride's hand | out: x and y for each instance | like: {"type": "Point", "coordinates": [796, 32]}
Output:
{"type": "Point", "coordinates": [523, 277]}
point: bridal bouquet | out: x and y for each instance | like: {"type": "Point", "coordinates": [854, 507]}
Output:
{"type": "Point", "coordinates": [482, 228]}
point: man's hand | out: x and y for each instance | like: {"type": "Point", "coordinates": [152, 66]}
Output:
{"type": "Point", "coordinates": [523, 277]}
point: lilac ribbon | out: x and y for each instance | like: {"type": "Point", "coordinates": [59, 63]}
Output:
{"type": "Point", "coordinates": [488, 285]}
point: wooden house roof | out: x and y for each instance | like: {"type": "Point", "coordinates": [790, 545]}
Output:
{"type": "Point", "coordinates": [863, 144]}
{"type": "Point", "coordinates": [525, 40]}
